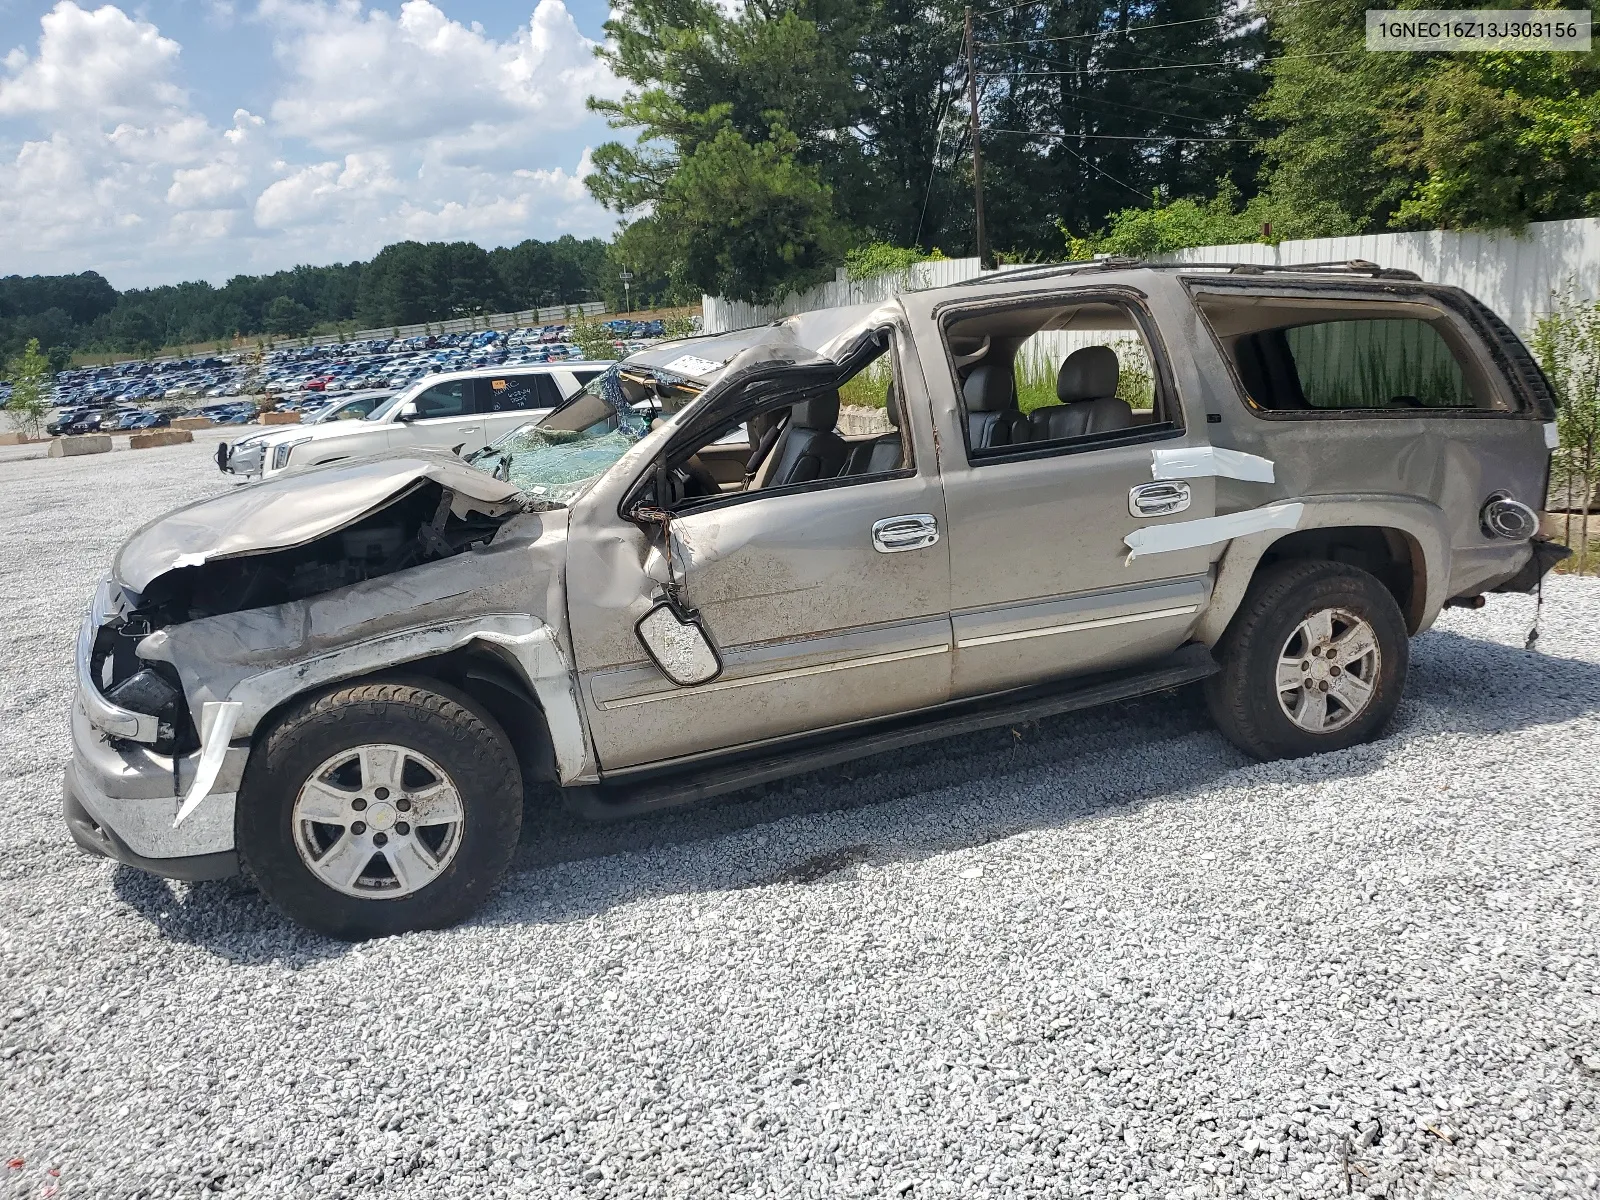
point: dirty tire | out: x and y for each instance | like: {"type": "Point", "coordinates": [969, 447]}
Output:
{"type": "Point", "coordinates": [1243, 697]}
{"type": "Point", "coordinates": [433, 720]}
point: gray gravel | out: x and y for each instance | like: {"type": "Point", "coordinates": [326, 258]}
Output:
{"type": "Point", "coordinates": [1102, 956]}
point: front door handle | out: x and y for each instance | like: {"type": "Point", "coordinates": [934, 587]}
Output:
{"type": "Point", "coordinates": [914, 531]}
{"type": "Point", "coordinates": [1159, 499]}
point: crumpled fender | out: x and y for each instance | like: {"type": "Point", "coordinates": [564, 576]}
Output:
{"type": "Point", "coordinates": [509, 596]}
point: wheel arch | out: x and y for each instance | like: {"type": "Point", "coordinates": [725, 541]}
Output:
{"type": "Point", "coordinates": [512, 667]}
{"type": "Point", "coordinates": [1401, 541]}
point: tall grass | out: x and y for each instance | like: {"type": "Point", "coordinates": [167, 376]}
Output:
{"type": "Point", "coordinates": [1036, 378]}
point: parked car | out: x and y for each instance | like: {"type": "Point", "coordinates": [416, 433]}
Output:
{"type": "Point", "coordinates": [355, 407]}
{"type": "Point", "coordinates": [64, 420]}
{"type": "Point", "coordinates": [1264, 482]}
{"type": "Point", "coordinates": [458, 411]}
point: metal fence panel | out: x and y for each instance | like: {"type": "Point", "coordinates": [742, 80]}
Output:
{"type": "Point", "coordinates": [1516, 275]}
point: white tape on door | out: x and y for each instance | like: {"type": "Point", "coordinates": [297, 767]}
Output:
{"type": "Point", "coordinates": [1207, 531]}
{"type": "Point", "coordinates": [1198, 462]}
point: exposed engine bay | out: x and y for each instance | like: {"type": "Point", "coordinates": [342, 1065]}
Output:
{"type": "Point", "coordinates": [425, 522]}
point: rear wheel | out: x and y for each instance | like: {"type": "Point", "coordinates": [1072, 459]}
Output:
{"type": "Point", "coordinates": [1314, 660]}
{"type": "Point", "coordinates": [380, 808]}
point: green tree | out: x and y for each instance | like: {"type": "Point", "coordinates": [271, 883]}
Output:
{"type": "Point", "coordinates": [289, 317]}
{"type": "Point", "coordinates": [1180, 224]}
{"type": "Point", "coordinates": [595, 342]}
{"type": "Point", "coordinates": [29, 373]}
{"type": "Point", "coordinates": [1566, 342]}
{"type": "Point", "coordinates": [1397, 140]}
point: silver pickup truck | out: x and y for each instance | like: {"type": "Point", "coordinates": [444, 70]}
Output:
{"type": "Point", "coordinates": [1083, 484]}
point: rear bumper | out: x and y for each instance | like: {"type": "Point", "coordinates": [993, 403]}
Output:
{"type": "Point", "coordinates": [1546, 554]}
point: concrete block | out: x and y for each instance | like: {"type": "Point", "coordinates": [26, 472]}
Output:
{"type": "Point", "coordinates": [12, 438]}
{"type": "Point", "coordinates": [152, 438]}
{"type": "Point", "coordinates": [192, 423]}
{"type": "Point", "coordinates": [280, 418]}
{"type": "Point", "coordinates": [89, 443]}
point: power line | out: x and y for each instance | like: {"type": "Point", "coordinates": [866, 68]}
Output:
{"type": "Point", "coordinates": [1171, 83]}
{"type": "Point", "coordinates": [1169, 67]}
{"type": "Point", "coordinates": [1107, 174]}
{"type": "Point", "coordinates": [1121, 137]}
{"type": "Point", "coordinates": [989, 12]}
{"type": "Point", "coordinates": [1078, 37]}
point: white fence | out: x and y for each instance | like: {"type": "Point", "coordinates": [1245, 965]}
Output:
{"type": "Point", "coordinates": [719, 315]}
{"type": "Point", "coordinates": [1516, 275]}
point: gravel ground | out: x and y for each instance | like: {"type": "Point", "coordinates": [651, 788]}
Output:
{"type": "Point", "coordinates": [1101, 956]}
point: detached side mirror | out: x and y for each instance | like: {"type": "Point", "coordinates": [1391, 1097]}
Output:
{"type": "Point", "coordinates": [678, 645]}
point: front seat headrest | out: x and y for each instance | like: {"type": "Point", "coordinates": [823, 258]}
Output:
{"type": "Point", "coordinates": [1088, 374]}
{"type": "Point", "coordinates": [988, 388]}
{"type": "Point", "coordinates": [820, 412]}
{"type": "Point", "coordinates": [891, 406]}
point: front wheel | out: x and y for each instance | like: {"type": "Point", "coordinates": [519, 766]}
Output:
{"type": "Point", "coordinates": [380, 808]}
{"type": "Point", "coordinates": [1314, 660]}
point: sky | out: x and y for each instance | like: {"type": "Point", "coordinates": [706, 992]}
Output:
{"type": "Point", "coordinates": [199, 139]}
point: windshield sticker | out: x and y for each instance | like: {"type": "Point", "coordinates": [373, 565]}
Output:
{"type": "Point", "coordinates": [689, 364]}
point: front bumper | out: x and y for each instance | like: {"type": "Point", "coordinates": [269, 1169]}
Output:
{"type": "Point", "coordinates": [122, 795]}
{"type": "Point", "coordinates": [101, 840]}
{"type": "Point", "coordinates": [240, 460]}
{"type": "Point", "coordinates": [121, 799]}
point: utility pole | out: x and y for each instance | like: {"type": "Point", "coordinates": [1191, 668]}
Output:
{"type": "Point", "coordinates": [977, 148]}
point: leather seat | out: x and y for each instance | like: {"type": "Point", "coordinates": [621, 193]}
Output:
{"type": "Point", "coordinates": [993, 418]}
{"type": "Point", "coordinates": [882, 453]}
{"type": "Point", "coordinates": [1086, 386]}
{"type": "Point", "coordinates": [809, 448]}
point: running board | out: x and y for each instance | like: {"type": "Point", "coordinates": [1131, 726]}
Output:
{"type": "Point", "coordinates": [639, 790]}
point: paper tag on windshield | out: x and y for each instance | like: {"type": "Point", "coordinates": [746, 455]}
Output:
{"type": "Point", "coordinates": [689, 364]}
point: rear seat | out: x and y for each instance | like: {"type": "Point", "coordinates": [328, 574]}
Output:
{"type": "Point", "coordinates": [1086, 385]}
{"type": "Point", "coordinates": [993, 418]}
{"type": "Point", "coordinates": [881, 453]}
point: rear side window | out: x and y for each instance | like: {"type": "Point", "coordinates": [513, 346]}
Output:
{"type": "Point", "coordinates": [1297, 354]}
{"type": "Point", "coordinates": [512, 393]}
{"type": "Point", "coordinates": [1376, 364]}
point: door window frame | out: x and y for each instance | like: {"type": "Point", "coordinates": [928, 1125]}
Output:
{"type": "Point", "coordinates": [1131, 299]}
{"type": "Point", "coordinates": [469, 402]}
{"type": "Point", "coordinates": [744, 412]}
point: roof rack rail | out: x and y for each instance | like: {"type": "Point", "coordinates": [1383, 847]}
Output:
{"type": "Point", "coordinates": [1049, 270]}
{"type": "Point", "coordinates": [1349, 266]}
{"type": "Point", "coordinates": [1117, 262]}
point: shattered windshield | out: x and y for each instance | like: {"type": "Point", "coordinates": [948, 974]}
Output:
{"type": "Point", "coordinates": [553, 461]}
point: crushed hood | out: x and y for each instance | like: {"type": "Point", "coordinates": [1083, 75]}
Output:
{"type": "Point", "coordinates": [294, 509]}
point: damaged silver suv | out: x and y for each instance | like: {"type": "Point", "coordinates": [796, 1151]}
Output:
{"type": "Point", "coordinates": [1082, 484]}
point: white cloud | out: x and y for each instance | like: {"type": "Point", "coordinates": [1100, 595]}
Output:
{"type": "Point", "coordinates": [92, 66]}
{"type": "Point", "coordinates": [419, 126]}
{"type": "Point", "coordinates": [363, 78]}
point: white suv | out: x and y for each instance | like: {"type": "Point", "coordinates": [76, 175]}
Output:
{"type": "Point", "coordinates": [461, 411]}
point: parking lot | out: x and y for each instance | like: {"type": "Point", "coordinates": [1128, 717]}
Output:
{"type": "Point", "coordinates": [1100, 956]}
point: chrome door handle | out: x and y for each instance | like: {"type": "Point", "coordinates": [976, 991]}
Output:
{"type": "Point", "coordinates": [914, 531]}
{"type": "Point", "coordinates": [1159, 499]}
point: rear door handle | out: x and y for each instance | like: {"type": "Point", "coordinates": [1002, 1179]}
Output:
{"type": "Point", "coordinates": [1159, 499]}
{"type": "Point", "coordinates": [914, 531]}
